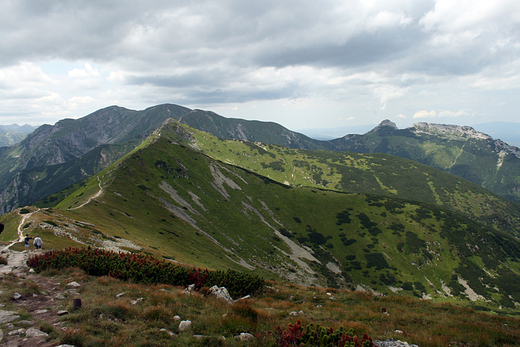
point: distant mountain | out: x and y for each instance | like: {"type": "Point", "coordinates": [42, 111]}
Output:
{"type": "Point", "coordinates": [460, 150]}
{"type": "Point", "coordinates": [12, 134]}
{"type": "Point", "coordinates": [188, 196]}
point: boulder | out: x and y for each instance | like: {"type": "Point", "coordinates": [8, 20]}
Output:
{"type": "Point", "coordinates": [244, 337]}
{"type": "Point", "coordinates": [222, 293]}
{"type": "Point", "coordinates": [32, 332]}
{"type": "Point", "coordinates": [185, 325]}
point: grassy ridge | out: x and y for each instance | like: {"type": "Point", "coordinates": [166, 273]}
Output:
{"type": "Point", "coordinates": [353, 172]}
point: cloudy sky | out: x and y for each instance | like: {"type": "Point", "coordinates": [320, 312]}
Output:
{"type": "Point", "coordinates": [303, 64]}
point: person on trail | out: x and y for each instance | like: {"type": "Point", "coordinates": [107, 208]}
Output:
{"type": "Point", "coordinates": [38, 242]}
{"type": "Point", "coordinates": [26, 240]}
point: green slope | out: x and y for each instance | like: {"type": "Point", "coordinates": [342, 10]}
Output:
{"type": "Point", "coordinates": [172, 201]}
{"type": "Point", "coordinates": [364, 173]}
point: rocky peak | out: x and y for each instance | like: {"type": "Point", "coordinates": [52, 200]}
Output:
{"type": "Point", "coordinates": [450, 131]}
{"type": "Point", "coordinates": [454, 132]}
{"type": "Point", "coordinates": [387, 123]}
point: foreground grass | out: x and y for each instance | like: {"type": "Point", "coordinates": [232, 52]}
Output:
{"type": "Point", "coordinates": [145, 316]}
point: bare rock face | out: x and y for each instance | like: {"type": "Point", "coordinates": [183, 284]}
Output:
{"type": "Point", "coordinates": [450, 131]}
{"type": "Point", "coordinates": [456, 132]}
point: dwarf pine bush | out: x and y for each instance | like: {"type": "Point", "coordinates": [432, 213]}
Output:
{"type": "Point", "coordinates": [145, 269]}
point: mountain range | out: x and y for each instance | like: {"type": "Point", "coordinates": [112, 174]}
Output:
{"type": "Point", "coordinates": [56, 156]}
{"type": "Point", "coordinates": [12, 134]}
{"type": "Point", "coordinates": [337, 219]}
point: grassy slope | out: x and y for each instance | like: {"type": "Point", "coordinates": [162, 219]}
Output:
{"type": "Point", "coordinates": [367, 173]}
{"type": "Point", "coordinates": [108, 317]}
{"type": "Point", "coordinates": [376, 241]}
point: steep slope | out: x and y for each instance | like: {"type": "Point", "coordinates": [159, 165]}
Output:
{"type": "Point", "coordinates": [50, 149]}
{"type": "Point", "coordinates": [169, 199]}
{"type": "Point", "coordinates": [252, 131]}
{"type": "Point", "coordinates": [459, 150]}
{"type": "Point", "coordinates": [64, 144]}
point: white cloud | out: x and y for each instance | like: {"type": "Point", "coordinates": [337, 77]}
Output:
{"type": "Point", "coordinates": [425, 114]}
{"type": "Point", "coordinates": [88, 72]}
{"type": "Point", "coordinates": [459, 113]}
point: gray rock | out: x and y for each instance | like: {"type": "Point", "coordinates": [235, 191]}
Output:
{"type": "Point", "coordinates": [32, 332]}
{"type": "Point", "coordinates": [8, 316]}
{"type": "Point", "coordinates": [221, 293]}
{"type": "Point", "coordinates": [26, 322]}
{"type": "Point", "coordinates": [62, 313]}
{"type": "Point", "coordinates": [185, 325]}
{"type": "Point", "coordinates": [247, 297]}
{"type": "Point", "coordinates": [136, 301]}
{"type": "Point", "coordinates": [17, 296]}
{"type": "Point", "coordinates": [244, 337]}
{"type": "Point", "coordinates": [20, 331]}
{"type": "Point", "coordinates": [172, 334]}
{"type": "Point", "coordinates": [392, 343]}
{"type": "Point", "coordinates": [73, 284]}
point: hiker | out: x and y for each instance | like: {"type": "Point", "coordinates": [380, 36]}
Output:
{"type": "Point", "coordinates": [38, 242]}
{"type": "Point", "coordinates": [26, 240]}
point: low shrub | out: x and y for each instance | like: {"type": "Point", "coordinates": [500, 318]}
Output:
{"type": "Point", "coordinates": [317, 335]}
{"type": "Point", "coordinates": [145, 269]}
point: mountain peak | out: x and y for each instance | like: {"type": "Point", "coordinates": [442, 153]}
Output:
{"type": "Point", "coordinates": [385, 124]}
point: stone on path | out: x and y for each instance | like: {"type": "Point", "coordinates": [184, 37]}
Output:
{"type": "Point", "coordinates": [32, 332]}
{"type": "Point", "coordinates": [8, 316]}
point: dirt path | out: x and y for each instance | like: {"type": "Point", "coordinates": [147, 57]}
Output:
{"type": "Point", "coordinates": [20, 232]}
{"type": "Point", "coordinates": [15, 277]}
{"type": "Point", "coordinates": [92, 197]}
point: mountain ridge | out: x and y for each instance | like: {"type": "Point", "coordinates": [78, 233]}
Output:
{"type": "Point", "coordinates": [172, 198]}
{"type": "Point", "coordinates": [489, 163]}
